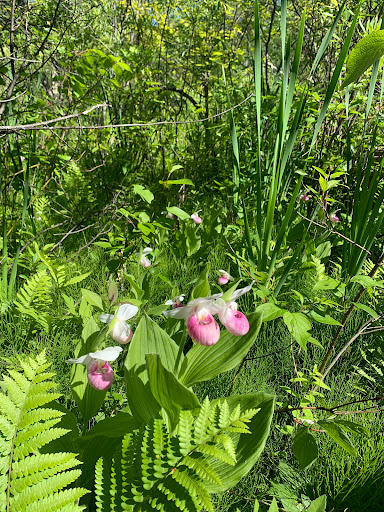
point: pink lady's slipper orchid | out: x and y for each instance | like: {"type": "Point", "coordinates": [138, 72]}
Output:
{"type": "Point", "coordinates": [144, 261]}
{"type": "Point", "coordinates": [304, 198]}
{"type": "Point", "coordinates": [334, 218]}
{"type": "Point", "coordinates": [195, 217]}
{"type": "Point", "coordinates": [198, 314]}
{"type": "Point", "coordinates": [224, 277]}
{"type": "Point", "coordinates": [99, 373]}
{"type": "Point", "coordinates": [233, 320]}
{"type": "Point", "coordinates": [121, 331]}
{"type": "Point", "coordinates": [176, 302]}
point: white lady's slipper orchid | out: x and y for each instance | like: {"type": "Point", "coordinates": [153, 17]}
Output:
{"type": "Point", "coordinates": [144, 261]}
{"type": "Point", "coordinates": [121, 331]}
{"type": "Point", "coordinates": [176, 302]}
{"type": "Point", "coordinates": [99, 372]}
{"type": "Point", "coordinates": [233, 320]}
{"type": "Point", "coordinates": [196, 218]}
{"type": "Point", "coordinates": [224, 277]}
{"type": "Point", "coordinates": [198, 314]}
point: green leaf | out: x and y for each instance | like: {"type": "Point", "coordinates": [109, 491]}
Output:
{"type": "Point", "coordinates": [326, 284]}
{"type": "Point", "coordinates": [204, 363]}
{"type": "Point", "coordinates": [338, 434]}
{"type": "Point", "coordinates": [148, 338]}
{"type": "Point", "coordinates": [168, 391]}
{"type": "Point", "coordinates": [176, 182]}
{"type": "Point", "coordinates": [270, 311]}
{"type": "Point", "coordinates": [366, 308]}
{"type": "Point", "coordinates": [93, 299]}
{"type": "Point", "coordinates": [318, 505]}
{"type": "Point", "coordinates": [353, 427]}
{"type": "Point", "coordinates": [144, 193]}
{"type": "Point", "coordinates": [304, 447]}
{"type": "Point", "coordinates": [323, 319]}
{"type": "Point", "coordinates": [178, 212]}
{"type": "Point", "coordinates": [367, 281]}
{"type": "Point", "coordinates": [367, 51]}
{"type": "Point", "coordinates": [201, 288]}
{"type": "Point", "coordinates": [77, 279]}
{"type": "Point", "coordinates": [116, 426]}
{"type": "Point", "coordinates": [298, 325]}
{"type": "Point", "coordinates": [273, 507]}
{"type": "Point", "coordinates": [248, 446]}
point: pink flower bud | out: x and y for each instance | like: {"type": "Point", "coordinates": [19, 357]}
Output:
{"type": "Point", "coordinates": [304, 198]}
{"type": "Point", "coordinates": [100, 377]}
{"type": "Point", "coordinates": [203, 328]}
{"type": "Point", "coordinates": [334, 218]}
{"type": "Point", "coordinates": [195, 217]}
{"type": "Point", "coordinates": [223, 280]}
{"type": "Point", "coordinates": [234, 321]}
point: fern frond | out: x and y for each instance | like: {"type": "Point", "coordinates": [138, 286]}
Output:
{"type": "Point", "coordinates": [30, 481]}
{"type": "Point", "coordinates": [156, 469]}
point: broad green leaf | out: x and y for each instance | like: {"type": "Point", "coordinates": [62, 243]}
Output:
{"type": "Point", "coordinates": [88, 399]}
{"type": "Point", "coordinates": [168, 391]}
{"type": "Point", "coordinates": [326, 284]}
{"type": "Point", "coordinates": [77, 279]}
{"type": "Point", "coordinates": [366, 308]}
{"type": "Point", "coordinates": [367, 51]}
{"type": "Point", "coordinates": [353, 427]}
{"type": "Point", "coordinates": [116, 426]}
{"type": "Point", "coordinates": [304, 447]}
{"type": "Point", "coordinates": [149, 338]}
{"type": "Point", "coordinates": [93, 299]}
{"type": "Point", "coordinates": [318, 505]}
{"type": "Point", "coordinates": [193, 242]}
{"type": "Point", "coordinates": [176, 182]}
{"type": "Point", "coordinates": [299, 326]}
{"type": "Point", "coordinates": [323, 319]}
{"type": "Point", "coordinates": [201, 288]}
{"type": "Point", "coordinates": [178, 212]}
{"type": "Point", "coordinates": [248, 446]}
{"type": "Point", "coordinates": [338, 434]}
{"type": "Point", "coordinates": [255, 507]}
{"type": "Point", "coordinates": [144, 193]}
{"type": "Point", "coordinates": [367, 281]}
{"type": "Point", "coordinates": [204, 363]}
{"type": "Point", "coordinates": [273, 507]}
{"type": "Point", "coordinates": [270, 311]}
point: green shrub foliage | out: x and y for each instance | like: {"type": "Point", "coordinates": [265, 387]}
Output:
{"type": "Point", "coordinates": [31, 481]}
{"type": "Point", "coordinates": [155, 469]}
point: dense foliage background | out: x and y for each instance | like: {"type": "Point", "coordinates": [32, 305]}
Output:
{"type": "Point", "coordinates": [118, 120]}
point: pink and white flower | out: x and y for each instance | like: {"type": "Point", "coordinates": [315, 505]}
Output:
{"type": "Point", "coordinates": [196, 218]}
{"type": "Point", "coordinates": [334, 218]}
{"type": "Point", "coordinates": [233, 320]}
{"type": "Point", "coordinates": [144, 261]}
{"type": "Point", "coordinates": [121, 331]}
{"type": "Point", "coordinates": [224, 277]}
{"type": "Point", "coordinates": [198, 314]}
{"type": "Point", "coordinates": [99, 372]}
{"type": "Point", "coordinates": [176, 302]}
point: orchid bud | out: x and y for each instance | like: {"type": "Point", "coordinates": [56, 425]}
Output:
{"type": "Point", "coordinates": [304, 198]}
{"type": "Point", "coordinates": [235, 322]}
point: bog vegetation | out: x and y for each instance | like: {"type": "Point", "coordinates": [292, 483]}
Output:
{"type": "Point", "coordinates": [192, 255]}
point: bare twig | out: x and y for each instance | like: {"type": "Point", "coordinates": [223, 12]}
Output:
{"type": "Point", "coordinates": [41, 125]}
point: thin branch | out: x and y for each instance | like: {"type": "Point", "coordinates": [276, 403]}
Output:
{"type": "Point", "coordinates": [41, 125]}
